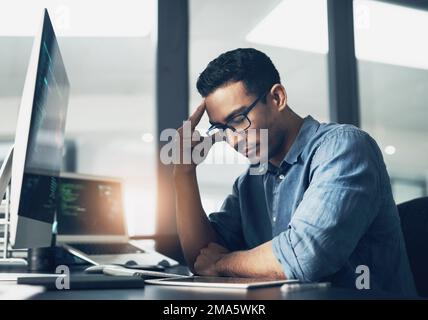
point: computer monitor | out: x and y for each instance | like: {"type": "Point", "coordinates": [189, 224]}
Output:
{"type": "Point", "coordinates": [39, 140]}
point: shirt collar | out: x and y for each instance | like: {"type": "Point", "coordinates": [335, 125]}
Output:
{"type": "Point", "coordinates": [307, 130]}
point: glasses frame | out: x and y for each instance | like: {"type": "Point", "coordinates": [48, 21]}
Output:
{"type": "Point", "coordinates": [244, 113]}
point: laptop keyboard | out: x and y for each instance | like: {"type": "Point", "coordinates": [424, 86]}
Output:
{"type": "Point", "coordinates": [107, 248]}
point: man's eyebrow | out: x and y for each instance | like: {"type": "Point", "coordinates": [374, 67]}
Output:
{"type": "Point", "coordinates": [231, 115]}
{"type": "Point", "coordinates": [234, 113]}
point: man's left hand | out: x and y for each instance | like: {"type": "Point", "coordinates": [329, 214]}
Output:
{"type": "Point", "coordinates": [205, 263]}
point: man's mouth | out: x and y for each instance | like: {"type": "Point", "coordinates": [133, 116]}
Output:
{"type": "Point", "coordinates": [247, 149]}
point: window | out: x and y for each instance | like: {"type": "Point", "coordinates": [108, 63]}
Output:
{"type": "Point", "coordinates": [393, 86]}
{"type": "Point", "coordinates": [110, 60]}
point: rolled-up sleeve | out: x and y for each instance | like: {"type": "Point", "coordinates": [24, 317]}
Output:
{"type": "Point", "coordinates": [336, 210]}
{"type": "Point", "coordinates": [227, 222]}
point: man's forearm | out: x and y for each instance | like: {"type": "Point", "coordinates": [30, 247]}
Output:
{"type": "Point", "coordinates": [193, 226]}
{"type": "Point", "coordinates": [259, 262]}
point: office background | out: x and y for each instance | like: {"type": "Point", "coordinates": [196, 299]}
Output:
{"type": "Point", "coordinates": [133, 66]}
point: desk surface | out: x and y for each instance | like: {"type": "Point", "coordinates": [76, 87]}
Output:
{"type": "Point", "coordinates": [153, 292]}
{"type": "Point", "coordinates": [156, 292]}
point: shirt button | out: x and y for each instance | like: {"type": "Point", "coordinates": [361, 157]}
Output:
{"type": "Point", "coordinates": [274, 219]}
{"type": "Point", "coordinates": [281, 177]}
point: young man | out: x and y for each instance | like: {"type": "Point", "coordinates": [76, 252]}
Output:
{"type": "Point", "coordinates": [323, 207]}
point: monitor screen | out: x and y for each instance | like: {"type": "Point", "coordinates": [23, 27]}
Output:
{"type": "Point", "coordinates": [45, 142]}
{"type": "Point", "coordinates": [90, 207]}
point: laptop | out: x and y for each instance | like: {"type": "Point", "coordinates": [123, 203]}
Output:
{"type": "Point", "coordinates": [92, 225]}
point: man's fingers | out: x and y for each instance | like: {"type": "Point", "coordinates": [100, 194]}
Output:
{"type": "Point", "coordinates": [197, 115]}
{"type": "Point", "coordinates": [196, 136]}
{"type": "Point", "coordinates": [218, 136]}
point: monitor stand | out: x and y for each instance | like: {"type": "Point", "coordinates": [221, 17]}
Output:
{"type": "Point", "coordinates": [6, 173]}
{"type": "Point", "coordinates": [5, 179]}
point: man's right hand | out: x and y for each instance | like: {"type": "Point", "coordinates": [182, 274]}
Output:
{"type": "Point", "coordinates": [187, 145]}
{"type": "Point", "coordinates": [193, 226]}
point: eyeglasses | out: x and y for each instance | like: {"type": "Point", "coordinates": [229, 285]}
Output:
{"type": "Point", "coordinates": [238, 123]}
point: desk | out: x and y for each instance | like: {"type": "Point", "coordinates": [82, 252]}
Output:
{"type": "Point", "coordinates": [155, 292]}
{"type": "Point", "coordinates": [152, 292]}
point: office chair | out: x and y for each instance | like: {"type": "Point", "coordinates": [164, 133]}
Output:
{"type": "Point", "coordinates": [414, 223]}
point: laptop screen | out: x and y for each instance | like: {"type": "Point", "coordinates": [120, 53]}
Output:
{"type": "Point", "coordinates": [90, 207]}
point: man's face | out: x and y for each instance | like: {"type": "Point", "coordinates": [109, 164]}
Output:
{"type": "Point", "coordinates": [233, 99]}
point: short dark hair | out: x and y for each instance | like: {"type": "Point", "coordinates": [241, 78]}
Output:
{"type": "Point", "coordinates": [254, 68]}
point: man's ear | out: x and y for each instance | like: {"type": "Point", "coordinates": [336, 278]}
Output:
{"type": "Point", "coordinates": [279, 96]}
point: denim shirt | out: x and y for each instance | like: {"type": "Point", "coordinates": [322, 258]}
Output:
{"type": "Point", "coordinates": [328, 209]}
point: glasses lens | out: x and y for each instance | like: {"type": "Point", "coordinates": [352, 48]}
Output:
{"type": "Point", "coordinates": [240, 123]}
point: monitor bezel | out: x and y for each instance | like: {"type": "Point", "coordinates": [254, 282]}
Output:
{"type": "Point", "coordinates": [26, 232]}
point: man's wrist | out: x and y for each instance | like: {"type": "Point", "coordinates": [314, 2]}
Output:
{"type": "Point", "coordinates": [224, 266]}
{"type": "Point", "coordinates": [220, 265]}
{"type": "Point", "coordinates": [180, 172]}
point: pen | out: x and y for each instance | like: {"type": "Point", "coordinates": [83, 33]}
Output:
{"type": "Point", "coordinates": [301, 286]}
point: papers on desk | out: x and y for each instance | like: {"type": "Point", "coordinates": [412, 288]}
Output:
{"type": "Point", "coordinates": [220, 282]}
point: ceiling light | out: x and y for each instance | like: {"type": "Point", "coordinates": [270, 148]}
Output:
{"type": "Point", "coordinates": [390, 150]}
{"type": "Point", "coordinates": [147, 137]}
